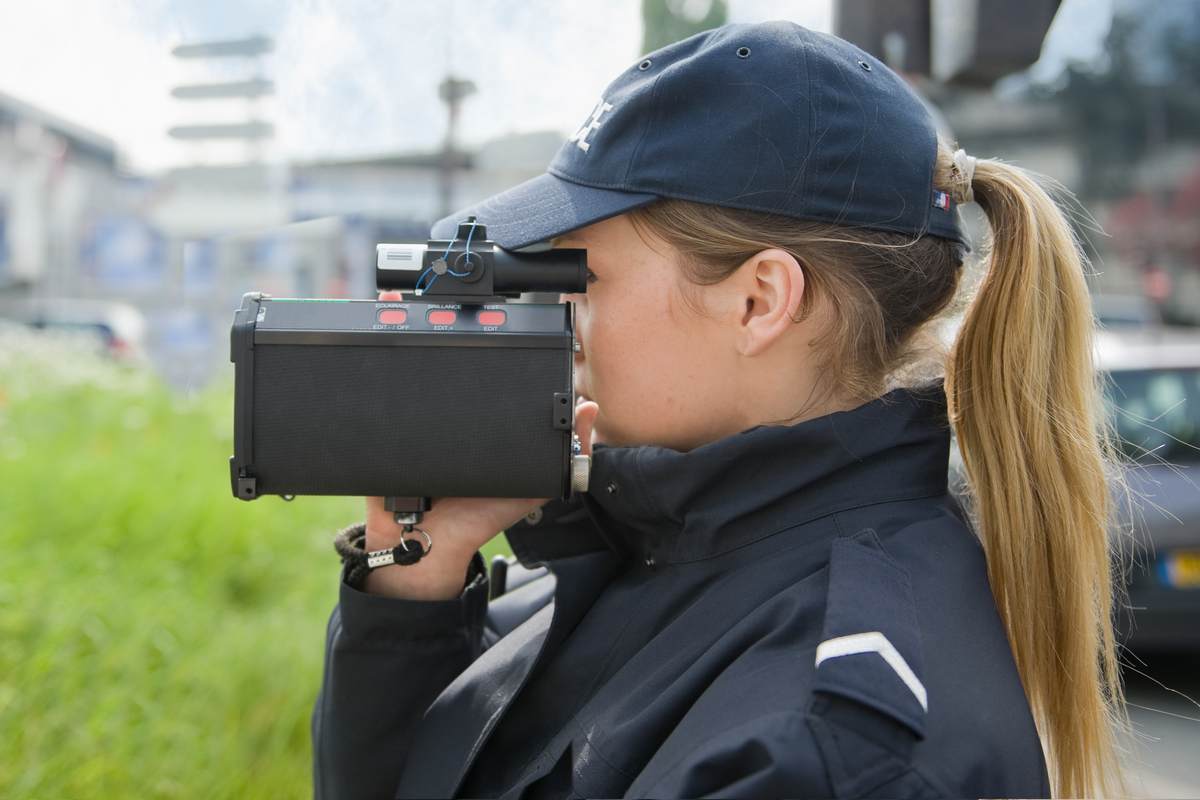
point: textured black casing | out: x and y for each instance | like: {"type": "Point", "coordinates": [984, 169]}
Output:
{"type": "Point", "coordinates": [328, 401]}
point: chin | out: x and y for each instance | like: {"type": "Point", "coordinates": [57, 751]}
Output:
{"type": "Point", "coordinates": [603, 434]}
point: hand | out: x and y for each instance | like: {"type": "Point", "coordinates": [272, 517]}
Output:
{"type": "Point", "coordinates": [458, 526]}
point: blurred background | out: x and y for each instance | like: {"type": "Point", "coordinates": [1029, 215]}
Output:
{"type": "Point", "coordinates": [159, 158]}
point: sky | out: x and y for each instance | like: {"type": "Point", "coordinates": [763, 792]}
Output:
{"type": "Point", "coordinates": [353, 77]}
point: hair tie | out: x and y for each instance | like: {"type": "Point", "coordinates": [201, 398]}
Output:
{"type": "Point", "coordinates": [965, 165]}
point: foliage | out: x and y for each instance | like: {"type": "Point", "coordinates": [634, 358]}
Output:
{"type": "Point", "coordinates": [667, 21]}
{"type": "Point", "coordinates": [161, 639]}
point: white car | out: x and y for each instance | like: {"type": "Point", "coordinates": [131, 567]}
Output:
{"type": "Point", "coordinates": [117, 328]}
{"type": "Point", "coordinates": [1154, 395]}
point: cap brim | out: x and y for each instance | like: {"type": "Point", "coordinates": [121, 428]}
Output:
{"type": "Point", "coordinates": [540, 209]}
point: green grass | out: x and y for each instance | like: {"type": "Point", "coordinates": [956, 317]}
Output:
{"type": "Point", "coordinates": [159, 638]}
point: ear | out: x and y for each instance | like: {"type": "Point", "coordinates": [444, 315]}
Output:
{"type": "Point", "coordinates": [769, 286]}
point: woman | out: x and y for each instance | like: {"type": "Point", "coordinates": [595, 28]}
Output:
{"type": "Point", "coordinates": [767, 590]}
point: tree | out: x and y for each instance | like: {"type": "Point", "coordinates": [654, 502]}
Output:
{"type": "Point", "coordinates": [667, 21]}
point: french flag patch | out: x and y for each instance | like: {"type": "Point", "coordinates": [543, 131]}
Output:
{"type": "Point", "coordinates": [941, 200]}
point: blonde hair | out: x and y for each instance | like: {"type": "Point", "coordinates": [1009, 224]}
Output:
{"type": "Point", "coordinates": [1024, 398]}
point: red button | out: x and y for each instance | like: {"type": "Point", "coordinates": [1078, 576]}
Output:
{"type": "Point", "coordinates": [393, 316]}
{"type": "Point", "coordinates": [442, 317]}
{"type": "Point", "coordinates": [491, 317]}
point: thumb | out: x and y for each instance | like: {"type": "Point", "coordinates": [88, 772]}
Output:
{"type": "Point", "coordinates": [585, 424]}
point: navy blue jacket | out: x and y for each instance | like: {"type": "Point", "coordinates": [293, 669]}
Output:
{"type": "Point", "coordinates": [792, 610]}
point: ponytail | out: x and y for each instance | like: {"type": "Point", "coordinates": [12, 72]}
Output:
{"type": "Point", "coordinates": [1026, 402]}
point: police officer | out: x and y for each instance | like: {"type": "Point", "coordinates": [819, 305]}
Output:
{"type": "Point", "coordinates": [768, 589]}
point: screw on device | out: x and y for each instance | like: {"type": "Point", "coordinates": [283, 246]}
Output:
{"type": "Point", "coordinates": [407, 511]}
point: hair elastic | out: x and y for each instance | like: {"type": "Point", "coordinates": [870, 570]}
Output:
{"type": "Point", "coordinates": [965, 165]}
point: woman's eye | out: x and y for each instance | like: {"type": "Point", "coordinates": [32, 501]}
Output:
{"type": "Point", "coordinates": [592, 277]}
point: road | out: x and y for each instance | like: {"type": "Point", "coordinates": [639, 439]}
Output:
{"type": "Point", "coordinates": [1164, 707]}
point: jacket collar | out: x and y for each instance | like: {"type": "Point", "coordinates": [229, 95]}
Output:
{"type": "Point", "coordinates": [674, 506]}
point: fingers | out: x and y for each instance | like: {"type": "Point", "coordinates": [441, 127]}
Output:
{"type": "Point", "coordinates": [391, 295]}
{"type": "Point", "coordinates": [378, 517]}
{"type": "Point", "coordinates": [585, 424]}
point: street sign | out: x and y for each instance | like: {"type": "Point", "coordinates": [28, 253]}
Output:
{"type": "Point", "coordinates": [255, 129]}
{"type": "Point", "coordinates": [256, 87]}
{"type": "Point", "coordinates": [252, 46]}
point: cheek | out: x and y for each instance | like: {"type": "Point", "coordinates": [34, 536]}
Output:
{"type": "Point", "coordinates": [652, 361]}
{"type": "Point", "coordinates": [648, 368]}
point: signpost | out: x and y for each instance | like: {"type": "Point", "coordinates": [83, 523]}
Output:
{"type": "Point", "coordinates": [252, 131]}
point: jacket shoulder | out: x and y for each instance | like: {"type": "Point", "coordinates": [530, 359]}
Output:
{"type": "Point", "coordinates": [868, 703]}
{"type": "Point", "coordinates": [946, 670]}
{"type": "Point", "coordinates": [835, 711]}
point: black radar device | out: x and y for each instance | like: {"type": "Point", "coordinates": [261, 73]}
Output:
{"type": "Point", "coordinates": [453, 391]}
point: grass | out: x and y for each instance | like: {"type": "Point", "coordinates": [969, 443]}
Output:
{"type": "Point", "coordinates": [160, 638]}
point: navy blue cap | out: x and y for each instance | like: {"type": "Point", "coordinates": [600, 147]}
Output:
{"type": "Point", "coordinates": [767, 117]}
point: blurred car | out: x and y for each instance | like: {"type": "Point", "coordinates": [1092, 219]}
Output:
{"type": "Point", "coordinates": [118, 329]}
{"type": "Point", "coordinates": [1154, 395]}
{"type": "Point", "coordinates": [1124, 310]}
{"type": "Point", "coordinates": [1152, 389]}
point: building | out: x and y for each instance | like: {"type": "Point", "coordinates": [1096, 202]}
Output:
{"type": "Point", "coordinates": [54, 177]}
{"type": "Point", "coordinates": [183, 246]}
